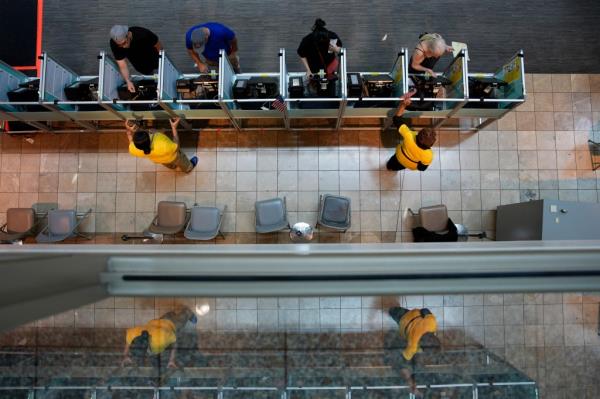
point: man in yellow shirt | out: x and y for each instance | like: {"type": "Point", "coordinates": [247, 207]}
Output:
{"type": "Point", "coordinates": [158, 147]}
{"type": "Point", "coordinates": [417, 327]}
{"type": "Point", "coordinates": [415, 150]}
{"type": "Point", "coordinates": [156, 336]}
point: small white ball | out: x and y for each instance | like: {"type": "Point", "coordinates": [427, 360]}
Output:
{"type": "Point", "coordinates": [202, 310]}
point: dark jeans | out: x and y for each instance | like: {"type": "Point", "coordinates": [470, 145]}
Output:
{"type": "Point", "coordinates": [397, 312]}
{"type": "Point", "coordinates": [393, 164]}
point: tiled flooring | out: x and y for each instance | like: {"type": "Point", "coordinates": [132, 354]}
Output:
{"type": "Point", "coordinates": [538, 151]}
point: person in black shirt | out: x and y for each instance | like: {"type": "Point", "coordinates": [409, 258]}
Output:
{"type": "Point", "coordinates": [318, 50]}
{"type": "Point", "coordinates": [427, 52]}
{"type": "Point", "coordinates": [139, 45]}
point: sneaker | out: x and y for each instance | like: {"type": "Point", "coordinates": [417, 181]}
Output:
{"type": "Point", "coordinates": [194, 160]}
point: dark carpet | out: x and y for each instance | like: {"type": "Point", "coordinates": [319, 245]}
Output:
{"type": "Point", "coordinates": [558, 36]}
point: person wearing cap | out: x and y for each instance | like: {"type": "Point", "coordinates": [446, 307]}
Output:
{"type": "Point", "coordinates": [138, 45]}
{"type": "Point", "coordinates": [414, 152]}
{"type": "Point", "coordinates": [158, 147]}
{"type": "Point", "coordinates": [156, 336]}
{"type": "Point", "coordinates": [417, 327]}
{"type": "Point", "coordinates": [211, 37]}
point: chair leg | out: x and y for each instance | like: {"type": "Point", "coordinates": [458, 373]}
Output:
{"type": "Point", "coordinates": [221, 234]}
{"type": "Point", "coordinates": [481, 235]}
{"type": "Point", "coordinates": [82, 235]}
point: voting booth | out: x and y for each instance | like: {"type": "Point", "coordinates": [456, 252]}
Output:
{"type": "Point", "coordinates": [456, 98]}
{"type": "Point", "coordinates": [319, 97]}
{"type": "Point", "coordinates": [250, 95]}
{"type": "Point", "coordinates": [492, 95]}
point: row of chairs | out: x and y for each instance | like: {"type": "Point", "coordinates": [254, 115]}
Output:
{"type": "Point", "coordinates": [172, 217]}
{"type": "Point", "coordinates": [58, 225]}
{"type": "Point", "coordinates": [204, 223]}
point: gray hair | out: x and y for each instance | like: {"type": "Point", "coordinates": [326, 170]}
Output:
{"type": "Point", "coordinates": [434, 42]}
{"type": "Point", "coordinates": [119, 32]}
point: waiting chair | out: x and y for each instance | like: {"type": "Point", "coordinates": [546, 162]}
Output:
{"type": "Point", "coordinates": [432, 218]}
{"type": "Point", "coordinates": [171, 218]}
{"type": "Point", "coordinates": [20, 223]}
{"type": "Point", "coordinates": [271, 215]}
{"type": "Point", "coordinates": [62, 224]}
{"type": "Point", "coordinates": [434, 225]}
{"type": "Point", "coordinates": [334, 212]}
{"type": "Point", "coordinates": [204, 223]}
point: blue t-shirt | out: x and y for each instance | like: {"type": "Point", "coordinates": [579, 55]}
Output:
{"type": "Point", "coordinates": [219, 38]}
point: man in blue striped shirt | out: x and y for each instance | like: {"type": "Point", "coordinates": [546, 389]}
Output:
{"type": "Point", "coordinates": [207, 39]}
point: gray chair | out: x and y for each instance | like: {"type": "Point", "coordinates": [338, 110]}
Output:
{"type": "Point", "coordinates": [62, 224]}
{"type": "Point", "coordinates": [432, 218]}
{"type": "Point", "coordinates": [271, 215]}
{"type": "Point", "coordinates": [334, 212]}
{"type": "Point", "coordinates": [205, 223]}
{"type": "Point", "coordinates": [171, 218]}
{"type": "Point", "coordinates": [435, 219]}
{"type": "Point", "coordinates": [20, 223]}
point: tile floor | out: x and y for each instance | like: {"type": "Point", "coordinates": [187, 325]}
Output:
{"type": "Point", "coordinates": [538, 151]}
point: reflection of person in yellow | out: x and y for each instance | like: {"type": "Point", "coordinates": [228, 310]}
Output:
{"type": "Point", "coordinates": [417, 327]}
{"type": "Point", "coordinates": [156, 336]}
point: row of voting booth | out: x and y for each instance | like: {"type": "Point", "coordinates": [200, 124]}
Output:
{"type": "Point", "coordinates": [61, 95]}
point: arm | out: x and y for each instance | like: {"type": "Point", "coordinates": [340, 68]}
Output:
{"type": "Point", "coordinates": [233, 46]}
{"type": "Point", "coordinates": [406, 101]}
{"type": "Point", "coordinates": [202, 67]}
{"type": "Point", "coordinates": [126, 358]}
{"type": "Point", "coordinates": [172, 357]}
{"type": "Point", "coordinates": [174, 122]}
{"type": "Point", "coordinates": [303, 53]}
{"type": "Point", "coordinates": [407, 376]}
{"type": "Point", "coordinates": [130, 129]}
{"type": "Point", "coordinates": [306, 67]}
{"type": "Point", "coordinates": [125, 74]}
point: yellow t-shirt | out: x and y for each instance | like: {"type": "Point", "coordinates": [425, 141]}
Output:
{"type": "Point", "coordinates": [162, 149]}
{"type": "Point", "coordinates": [162, 334]}
{"type": "Point", "coordinates": [412, 327]}
{"type": "Point", "coordinates": [409, 154]}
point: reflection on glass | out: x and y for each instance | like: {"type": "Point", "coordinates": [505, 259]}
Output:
{"type": "Point", "coordinates": [467, 346]}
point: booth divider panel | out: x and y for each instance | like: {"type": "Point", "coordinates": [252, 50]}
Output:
{"type": "Point", "coordinates": [55, 77]}
{"type": "Point", "coordinates": [9, 80]}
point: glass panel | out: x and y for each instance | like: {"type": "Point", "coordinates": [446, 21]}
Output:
{"type": "Point", "coordinates": [490, 346]}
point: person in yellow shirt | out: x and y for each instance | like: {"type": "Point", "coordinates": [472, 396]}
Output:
{"type": "Point", "coordinates": [414, 152]}
{"type": "Point", "coordinates": [156, 336]}
{"type": "Point", "coordinates": [417, 327]}
{"type": "Point", "coordinates": [158, 147]}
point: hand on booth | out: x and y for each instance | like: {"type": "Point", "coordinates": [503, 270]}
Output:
{"type": "Point", "coordinates": [203, 68]}
{"type": "Point", "coordinates": [130, 86]}
{"type": "Point", "coordinates": [406, 97]}
{"type": "Point", "coordinates": [430, 72]}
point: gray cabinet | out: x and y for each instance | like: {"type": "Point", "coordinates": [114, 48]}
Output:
{"type": "Point", "coordinates": [548, 220]}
